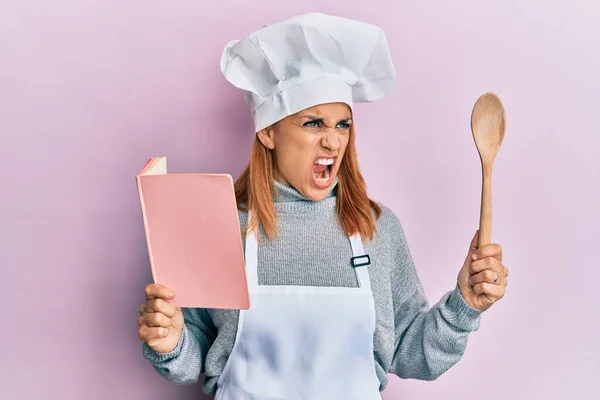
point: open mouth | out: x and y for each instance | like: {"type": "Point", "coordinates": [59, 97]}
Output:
{"type": "Point", "coordinates": [322, 171]}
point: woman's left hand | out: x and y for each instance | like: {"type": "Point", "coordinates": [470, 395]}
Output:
{"type": "Point", "coordinates": [483, 278]}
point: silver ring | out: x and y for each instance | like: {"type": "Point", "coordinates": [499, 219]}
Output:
{"type": "Point", "coordinates": [495, 277]}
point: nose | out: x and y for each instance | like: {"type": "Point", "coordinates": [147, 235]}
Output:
{"type": "Point", "coordinates": [331, 140]}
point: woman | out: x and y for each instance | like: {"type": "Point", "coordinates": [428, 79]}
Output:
{"type": "Point", "coordinates": [336, 303]}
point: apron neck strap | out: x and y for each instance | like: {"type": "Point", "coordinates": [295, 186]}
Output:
{"type": "Point", "coordinates": [251, 257]}
{"type": "Point", "coordinates": [362, 272]}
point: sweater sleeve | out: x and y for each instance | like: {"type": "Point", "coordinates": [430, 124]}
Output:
{"type": "Point", "coordinates": [428, 340]}
{"type": "Point", "coordinates": [185, 363]}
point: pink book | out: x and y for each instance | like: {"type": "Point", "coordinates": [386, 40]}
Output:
{"type": "Point", "coordinates": [193, 236]}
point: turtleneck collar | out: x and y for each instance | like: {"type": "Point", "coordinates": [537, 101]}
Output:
{"type": "Point", "coordinates": [291, 200]}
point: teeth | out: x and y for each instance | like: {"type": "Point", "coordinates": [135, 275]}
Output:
{"type": "Point", "coordinates": [325, 161]}
{"type": "Point", "coordinates": [323, 180]}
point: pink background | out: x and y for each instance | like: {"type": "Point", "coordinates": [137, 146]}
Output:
{"type": "Point", "coordinates": [90, 89]}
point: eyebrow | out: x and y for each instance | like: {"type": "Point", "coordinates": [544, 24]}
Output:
{"type": "Point", "coordinates": [317, 118]}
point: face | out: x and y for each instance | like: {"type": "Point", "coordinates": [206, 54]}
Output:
{"type": "Point", "coordinates": [309, 146]}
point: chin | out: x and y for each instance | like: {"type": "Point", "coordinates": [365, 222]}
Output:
{"type": "Point", "coordinates": [315, 192]}
{"type": "Point", "coordinates": [314, 195]}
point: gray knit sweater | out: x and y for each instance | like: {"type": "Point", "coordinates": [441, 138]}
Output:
{"type": "Point", "coordinates": [411, 340]}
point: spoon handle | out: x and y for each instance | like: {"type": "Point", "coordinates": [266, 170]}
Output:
{"type": "Point", "coordinates": [485, 217]}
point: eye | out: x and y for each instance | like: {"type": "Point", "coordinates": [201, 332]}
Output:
{"type": "Point", "coordinates": [314, 123]}
{"type": "Point", "coordinates": [344, 125]}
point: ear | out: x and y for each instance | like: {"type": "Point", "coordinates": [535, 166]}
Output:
{"type": "Point", "coordinates": [267, 137]}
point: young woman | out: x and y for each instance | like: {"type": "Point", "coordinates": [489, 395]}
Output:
{"type": "Point", "coordinates": [336, 303]}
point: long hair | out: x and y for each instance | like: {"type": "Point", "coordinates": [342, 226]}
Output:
{"type": "Point", "coordinates": [255, 188]}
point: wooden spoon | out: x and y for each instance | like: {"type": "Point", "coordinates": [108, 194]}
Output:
{"type": "Point", "coordinates": [488, 126]}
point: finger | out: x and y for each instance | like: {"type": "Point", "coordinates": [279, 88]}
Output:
{"type": "Point", "coordinates": [473, 245]}
{"type": "Point", "coordinates": [488, 250]}
{"type": "Point", "coordinates": [487, 276]}
{"type": "Point", "coordinates": [149, 334]}
{"type": "Point", "coordinates": [486, 263]}
{"type": "Point", "coordinates": [155, 320]}
{"type": "Point", "coordinates": [161, 306]}
{"type": "Point", "coordinates": [493, 292]}
{"type": "Point", "coordinates": [142, 309]}
{"type": "Point", "coordinates": [158, 291]}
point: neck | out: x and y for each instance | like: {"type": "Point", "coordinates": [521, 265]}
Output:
{"type": "Point", "coordinates": [288, 199]}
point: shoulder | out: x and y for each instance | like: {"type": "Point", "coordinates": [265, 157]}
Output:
{"type": "Point", "coordinates": [389, 223]}
{"type": "Point", "coordinates": [389, 232]}
{"type": "Point", "coordinates": [243, 217]}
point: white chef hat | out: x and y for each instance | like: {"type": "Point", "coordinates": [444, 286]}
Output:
{"type": "Point", "coordinates": [308, 60]}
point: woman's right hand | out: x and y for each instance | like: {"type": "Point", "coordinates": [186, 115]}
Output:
{"type": "Point", "coordinates": [160, 323]}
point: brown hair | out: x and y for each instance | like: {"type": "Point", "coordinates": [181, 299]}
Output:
{"type": "Point", "coordinates": [254, 190]}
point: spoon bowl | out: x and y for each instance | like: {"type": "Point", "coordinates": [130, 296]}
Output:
{"type": "Point", "coordinates": [488, 125]}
